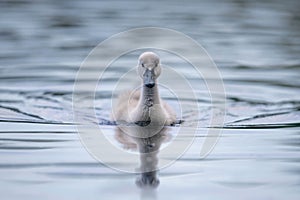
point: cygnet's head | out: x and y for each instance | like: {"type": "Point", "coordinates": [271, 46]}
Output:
{"type": "Point", "coordinates": [149, 68]}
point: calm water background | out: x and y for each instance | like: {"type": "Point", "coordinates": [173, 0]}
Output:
{"type": "Point", "coordinates": [256, 46]}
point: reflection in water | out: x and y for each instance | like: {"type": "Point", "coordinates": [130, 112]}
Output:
{"type": "Point", "coordinates": [148, 148]}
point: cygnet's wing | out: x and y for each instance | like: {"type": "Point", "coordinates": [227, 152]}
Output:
{"type": "Point", "coordinates": [171, 114]}
{"type": "Point", "coordinates": [127, 101]}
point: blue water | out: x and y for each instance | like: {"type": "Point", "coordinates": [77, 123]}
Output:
{"type": "Point", "coordinates": [256, 46]}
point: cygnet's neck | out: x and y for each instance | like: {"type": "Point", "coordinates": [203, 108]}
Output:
{"type": "Point", "coordinates": [149, 96]}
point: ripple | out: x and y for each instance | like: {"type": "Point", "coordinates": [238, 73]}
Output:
{"type": "Point", "coordinates": [262, 126]}
{"type": "Point", "coordinates": [51, 164]}
{"type": "Point", "coordinates": [24, 148]}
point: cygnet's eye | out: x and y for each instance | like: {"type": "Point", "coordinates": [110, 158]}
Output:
{"type": "Point", "coordinates": [143, 65]}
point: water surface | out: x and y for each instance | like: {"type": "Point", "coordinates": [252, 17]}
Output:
{"type": "Point", "coordinates": [254, 44]}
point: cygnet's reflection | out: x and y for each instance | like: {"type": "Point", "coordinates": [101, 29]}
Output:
{"type": "Point", "coordinates": [148, 148]}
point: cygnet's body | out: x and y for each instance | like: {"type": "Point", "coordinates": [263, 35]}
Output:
{"type": "Point", "coordinates": [145, 106]}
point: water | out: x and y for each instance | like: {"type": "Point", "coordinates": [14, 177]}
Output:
{"type": "Point", "coordinates": [256, 47]}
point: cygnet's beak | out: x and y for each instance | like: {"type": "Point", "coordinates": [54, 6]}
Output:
{"type": "Point", "coordinates": [148, 78]}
